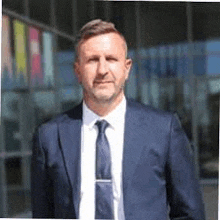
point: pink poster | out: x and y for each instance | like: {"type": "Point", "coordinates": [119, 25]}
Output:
{"type": "Point", "coordinates": [36, 69]}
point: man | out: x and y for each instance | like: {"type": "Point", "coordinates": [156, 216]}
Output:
{"type": "Point", "coordinates": [109, 157]}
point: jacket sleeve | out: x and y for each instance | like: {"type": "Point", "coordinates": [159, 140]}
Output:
{"type": "Point", "coordinates": [183, 189]}
{"type": "Point", "coordinates": [41, 185]}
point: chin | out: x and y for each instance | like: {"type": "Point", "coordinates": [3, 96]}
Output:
{"type": "Point", "coordinates": [106, 98]}
{"type": "Point", "coordinates": [104, 95]}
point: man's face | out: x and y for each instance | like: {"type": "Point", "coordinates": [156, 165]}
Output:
{"type": "Point", "coordinates": [102, 68]}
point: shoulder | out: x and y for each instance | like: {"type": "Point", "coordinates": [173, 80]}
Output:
{"type": "Point", "coordinates": [150, 116]}
{"type": "Point", "coordinates": [157, 120]}
{"type": "Point", "coordinates": [150, 112]}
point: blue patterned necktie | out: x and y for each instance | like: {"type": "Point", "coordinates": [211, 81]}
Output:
{"type": "Point", "coordinates": [104, 194]}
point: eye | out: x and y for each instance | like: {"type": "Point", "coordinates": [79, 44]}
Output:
{"type": "Point", "coordinates": [111, 59]}
{"type": "Point", "coordinates": [93, 59]}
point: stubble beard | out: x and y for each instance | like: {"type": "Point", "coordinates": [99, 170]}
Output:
{"type": "Point", "coordinates": [104, 99]}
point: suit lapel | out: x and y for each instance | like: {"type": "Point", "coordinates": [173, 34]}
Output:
{"type": "Point", "coordinates": [133, 145]}
{"type": "Point", "coordinates": [70, 137]}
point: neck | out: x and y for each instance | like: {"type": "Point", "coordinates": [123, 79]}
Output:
{"type": "Point", "coordinates": [103, 108]}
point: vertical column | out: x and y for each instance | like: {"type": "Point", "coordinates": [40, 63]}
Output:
{"type": "Point", "coordinates": [3, 190]}
{"type": "Point", "coordinates": [193, 86]}
{"type": "Point", "coordinates": [25, 124]}
{"type": "Point", "coordinates": [54, 46]}
{"type": "Point", "coordinates": [107, 10]}
{"type": "Point", "coordinates": [92, 11]}
{"type": "Point", "coordinates": [74, 10]}
{"type": "Point", "coordinates": [138, 46]}
{"type": "Point", "coordinates": [26, 8]}
{"type": "Point", "coordinates": [26, 119]}
{"type": "Point", "coordinates": [154, 92]}
{"type": "Point", "coordinates": [3, 184]}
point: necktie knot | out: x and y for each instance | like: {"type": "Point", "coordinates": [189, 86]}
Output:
{"type": "Point", "coordinates": [102, 125]}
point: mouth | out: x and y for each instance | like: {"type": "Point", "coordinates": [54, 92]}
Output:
{"type": "Point", "coordinates": [102, 82]}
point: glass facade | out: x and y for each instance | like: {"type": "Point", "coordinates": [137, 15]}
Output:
{"type": "Point", "coordinates": [175, 48]}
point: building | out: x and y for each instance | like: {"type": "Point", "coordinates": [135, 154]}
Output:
{"type": "Point", "coordinates": [175, 47]}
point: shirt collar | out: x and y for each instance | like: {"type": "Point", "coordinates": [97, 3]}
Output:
{"type": "Point", "coordinates": [114, 118]}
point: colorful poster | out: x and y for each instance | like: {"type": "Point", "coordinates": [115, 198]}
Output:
{"type": "Point", "coordinates": [35, 58]}
{"type": "Point", "coordinates": [20, 54]}
{"type": "Point", "coordinates": [48, 59]}
{"type": "Point", "coordinates": [7, 71]}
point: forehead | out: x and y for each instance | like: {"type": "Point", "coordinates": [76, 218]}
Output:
{"type": "Point", "coordinates": [110, 42]}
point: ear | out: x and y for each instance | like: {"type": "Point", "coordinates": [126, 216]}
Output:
{"type": "Point", "coordinates": [128, 65]}
{"type": "Point", "coordinates": [77, 71]}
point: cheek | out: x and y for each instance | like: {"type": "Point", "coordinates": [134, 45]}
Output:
{"type": "Point", "coordinates": [114, 67]}
{"type": "Point", "coordinates": [87, 76]}
{"type": "Point", "coordinates": [120, 74]}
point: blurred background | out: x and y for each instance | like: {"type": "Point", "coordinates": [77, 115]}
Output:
{"type": "Point", "coordinates": [175, 47]}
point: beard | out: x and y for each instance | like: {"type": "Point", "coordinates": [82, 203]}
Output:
{"type": "Point", "coordinates": [102, 95]}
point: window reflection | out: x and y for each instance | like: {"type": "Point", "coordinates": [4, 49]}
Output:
{"type": "Point", "coordinates": [44, 106]}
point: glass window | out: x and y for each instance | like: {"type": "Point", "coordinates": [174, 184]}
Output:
{"type": "Point", "coordinates": [40, 10]}
{"type": "Point", "coordinates": [103, 9]}
{"type": "Point", "coordinates": [64, 44]}
{"type": "Point", "coordinates": [10, 121]}
{"type": "Point", "coordinates": [65, 58]}
{"type": "Point", "coordinates": [44, 106]}
{"type": "Point", "coordinates": [208, 126]}
{"type": "Point", "coordinates": [11, 135]}
{"type": "Point", "coordinates": [162, 23]}
{"type": "Point", "coordinates": [64, 15]}
{"type": "Point", "coordinates": [18, 203]}
{"type": "Point", "coordinates": [124, 17]}
{"type": "Point", "coordinates": [85, 12]}
{"type": "Point", "coordinates": [14, 5]}
{"type": "Point", "coordinates": [206, 19]}
{"type": "Point", "coordinates": [70, 97]}
{"type": "Point", "coordinates": [131, 88]}
{"type": "Point", "coordinates": [13, 171]}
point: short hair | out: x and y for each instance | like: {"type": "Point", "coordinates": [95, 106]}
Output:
{"type": "Point", "coordinates": [94, 28]}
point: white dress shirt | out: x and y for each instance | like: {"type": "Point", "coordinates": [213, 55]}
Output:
{"type": "Point", "coordinates": [115, 135]}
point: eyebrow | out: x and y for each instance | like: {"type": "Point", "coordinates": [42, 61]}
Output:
{"type": "Point", "coordinates": [93, 56]}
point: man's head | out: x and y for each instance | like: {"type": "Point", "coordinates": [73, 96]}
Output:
{"type": "Point", "coordinates": [101, 64]}
{"type": "Point", "coordinates": [94, 28]}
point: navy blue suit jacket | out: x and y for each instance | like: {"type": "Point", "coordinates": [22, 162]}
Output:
{"type": "Point", "coordinates": [158, 171]}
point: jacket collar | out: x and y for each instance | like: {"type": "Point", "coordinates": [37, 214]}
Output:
{"type": "Point", "coordinates": [70, 137]}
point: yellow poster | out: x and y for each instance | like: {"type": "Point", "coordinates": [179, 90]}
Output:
{"type": "Point", "coordinates": [20, 52]}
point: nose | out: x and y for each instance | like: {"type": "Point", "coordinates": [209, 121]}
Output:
{"type": "Point", "coordinates": [102, 67]}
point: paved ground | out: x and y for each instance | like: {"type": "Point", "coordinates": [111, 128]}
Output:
{"type": "Point", "coordinates": [211, 202]}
